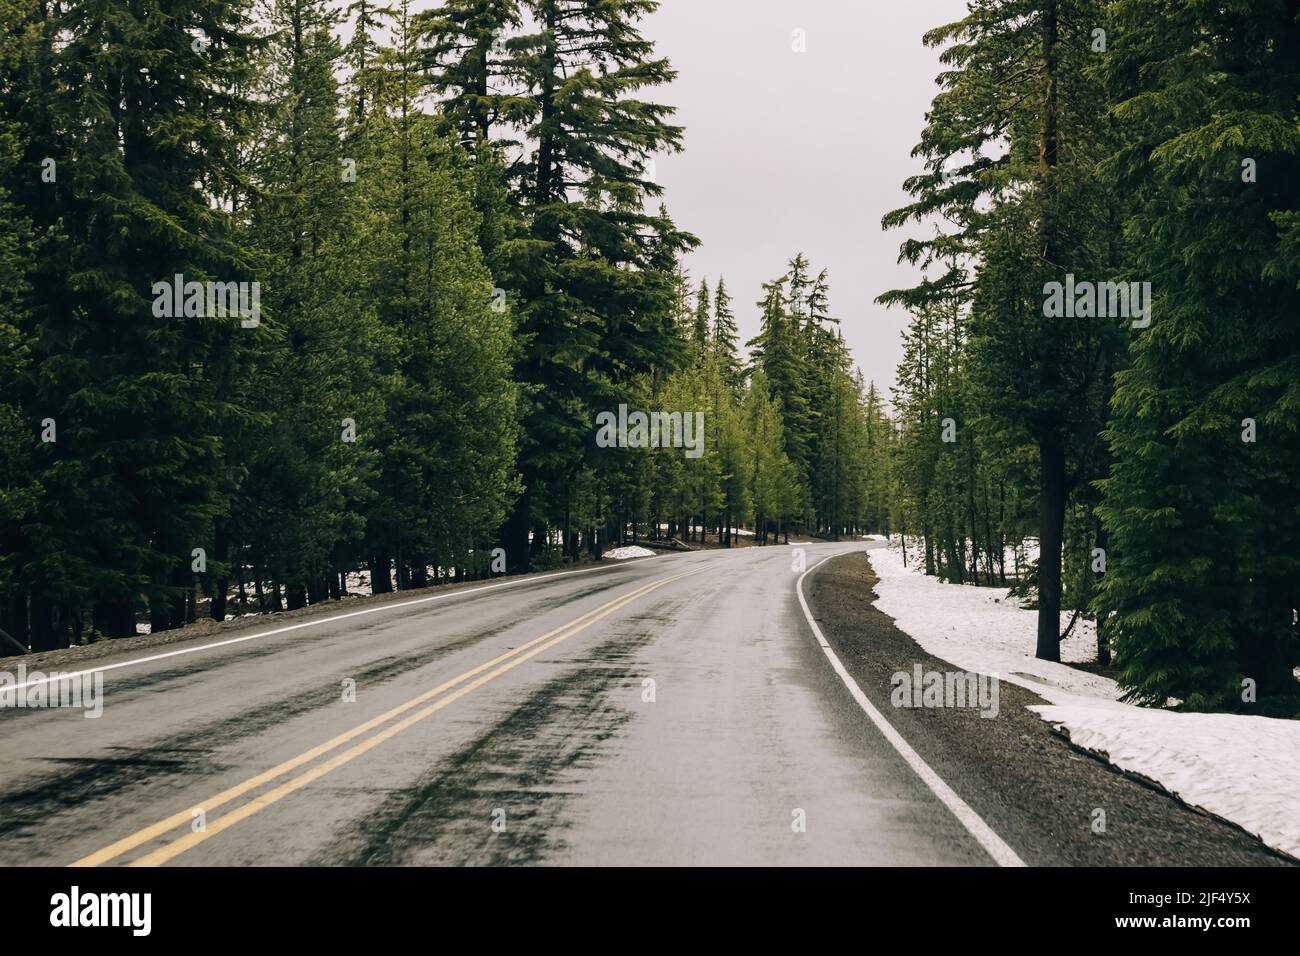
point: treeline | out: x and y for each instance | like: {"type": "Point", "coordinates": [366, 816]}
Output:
{"type": "Point", "coordinates": [360, 408]}
{"type": "Point", "coordinates": [276, 308]}
{"type": "Point", "coordinates": [795, 443]}
{"type": "Point", "coordinates": [1104, 353]}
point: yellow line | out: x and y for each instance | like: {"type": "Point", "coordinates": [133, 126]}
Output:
{"type": "Point", "coordinates": [514, 657]}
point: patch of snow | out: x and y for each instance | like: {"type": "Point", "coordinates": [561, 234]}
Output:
{"type": "Point", "coordinates": [1244, 769]}
{"type": "Point", "coordinates": [1015, 559]}
{"type": "Point", "coordinates": [961, 619]}
{"type": "Point", "coordinates": [629, 551]}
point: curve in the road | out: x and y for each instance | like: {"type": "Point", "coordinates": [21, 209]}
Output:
{"type": "Point", "coordinates": [974, 824]}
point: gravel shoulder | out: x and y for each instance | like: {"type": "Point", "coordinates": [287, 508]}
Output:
{"type": "Point", "coordinates": [1037, 792]}
{"type": "Point", "coordinates": [100, 652]}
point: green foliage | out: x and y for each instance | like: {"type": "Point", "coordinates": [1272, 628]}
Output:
{"type": "Point", "coordinates": [190, 139]}
{"type": "Point", "coordinates": [1169, 157]}
{"type": "Point", "coordinates": [1206, 526]}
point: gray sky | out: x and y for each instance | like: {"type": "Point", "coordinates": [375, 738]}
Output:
{"type": "Point", "coordinates": [789, 152]}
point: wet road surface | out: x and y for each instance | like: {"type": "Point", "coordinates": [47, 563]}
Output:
{"type": "Point", "coordinates": [674, 710]}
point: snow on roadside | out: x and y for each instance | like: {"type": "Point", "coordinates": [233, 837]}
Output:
{"type": "Point", "coordinates": [1241, 768]}
{"type": "Point", "coordinates": [629, 551]}
{"type": "Point", "coordinates": [1244, 769]}
{"type": "Point", "coordinates": [982, 628]}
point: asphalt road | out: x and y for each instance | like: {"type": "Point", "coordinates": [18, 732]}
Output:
{"type": "Point", "coordinates": [675, 710]}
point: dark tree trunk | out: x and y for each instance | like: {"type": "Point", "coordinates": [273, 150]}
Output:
{"type": "Point", "coordinates": [513, 536]}
{"type": "Point", "coordinates": [1103, 637]}
{"type": "Point", "coordinates": [1051, 525]}
{"type": "Point", "coordinates": [381, 581]}
{"type": "Point", "coordinates": [47, 625]}
{"type": "Point", "coordinates": [1002, 530]}
{"type": "Point", "coordinates": [13, 621]}
{"type": "Point", "coordinates": [1051, 452]}
{"type": "Point", "coordinates": [160, 612]}
{"type": "Point", "coordinates": [219, 587]}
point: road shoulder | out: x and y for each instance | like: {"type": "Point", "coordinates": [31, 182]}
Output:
{"type": "Point", "coordinates": [205, 630]}
{"type": "Point", "coordinates": [1039, 794]}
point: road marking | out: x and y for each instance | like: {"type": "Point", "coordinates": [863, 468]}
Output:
{"type": "Point", "coordinates": [507, 661]}
{"type": "Point", "coordinates": [974, 824]}
{"type": "Point", "coordinates": [12, 688]}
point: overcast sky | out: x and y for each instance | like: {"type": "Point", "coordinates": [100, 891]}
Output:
{"type": "Point", "coordinates": [789, 152]}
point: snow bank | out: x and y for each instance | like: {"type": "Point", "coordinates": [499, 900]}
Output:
{"type": "Point", "coordinates": [982, 629]}
{"type": "Point", "coordinates": [1241, 768]}
{"type": "Point", "coordinates": [1244, 769]}
{"type": "Point", "coordinates": [630, 551]}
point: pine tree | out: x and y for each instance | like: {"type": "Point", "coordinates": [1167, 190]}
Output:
{"type": "Point", "coordinates": [449, 430]}
{"type": "Point", "coordinates": [470, 65]}
{"type": "Point", "coordinates": [726, 337]}
{"type": "Point", "coordinates": [1012, 156]}
{"type": "Point", "coordinates": [361, 56]}
{"type": "Point", "coordinates": [700, 326]}
{"type": "Point", "coordinates": [778, 350]}
{"type": "Point", "coordinates": [1200, 588]}
{"type": "Point", "coordinates": [593, 273]}
{"type": "Point", "coordinates": [19, 433]}
{"type": "Point", "coordinates": [146, 133]}
{"type": "Point", "coordinates": [771, 473]}
{"type": "Point", "coordinates": [301, 507]}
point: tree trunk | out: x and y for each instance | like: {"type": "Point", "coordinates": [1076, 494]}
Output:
{"type": "Point", "coordinates": [381, 581]}
{"type": "Point", "coordinates": [219, 586]}
{"type": "Point", "coordinates": [1103, 636]}
{"type": "Point", "coordinates": [46, 632]}
{"type": "Point", "coordinates": [13, 620]}
{"type": "Point", "coordinates": [1051, 525]}
{"type": "Point", "coordinates": [513, 536]}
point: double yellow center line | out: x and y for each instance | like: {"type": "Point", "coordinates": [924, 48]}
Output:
{"type": "Point", "coordinates": [465, 683]}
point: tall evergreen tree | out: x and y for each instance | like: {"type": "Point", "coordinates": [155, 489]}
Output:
{"type": "Point", "coordinates": [1012, 146]}
{"type": "Point", "coordinates": [1201, 587]}
{"type": "Point", "coordinates": [449, 430]}
{"type": "Point", "coordinates": [471, 66]}
{"type": "Point", "coordinates": [726, 336]}
{"type": "Point", "coordinates": [700, 325]}
{"type": "Point", "coordinates": [19, 431]}
{"type": "Point", "coordinates": [592, 271]}
{"type": "Point", "coordinates": [145, 122]}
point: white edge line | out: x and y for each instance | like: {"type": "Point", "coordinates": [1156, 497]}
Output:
{"type": "Point", "coordinates": [294, 627]}
{"type": "Point", "coordinates": [974, 824]}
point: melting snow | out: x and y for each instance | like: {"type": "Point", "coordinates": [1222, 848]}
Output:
{"type": "Point", "coordinates": [1242, 768]}
{"type": "Point", "coordinates": [630, 551]}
